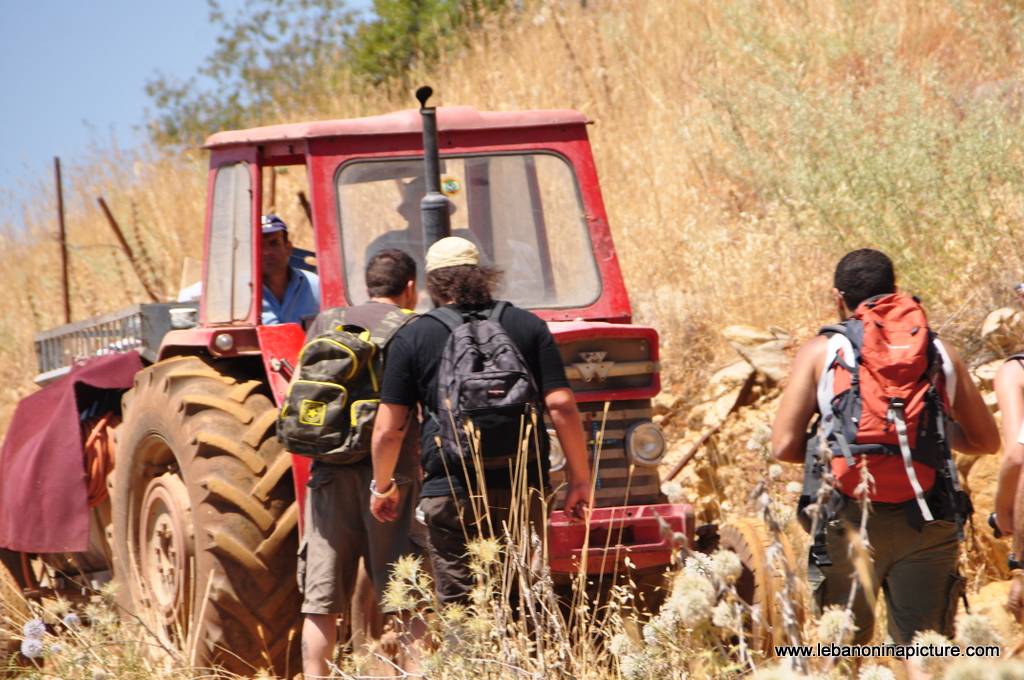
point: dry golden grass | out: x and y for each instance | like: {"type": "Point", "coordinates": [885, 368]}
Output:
{"type": "Point", "coordinates": [743, 147]}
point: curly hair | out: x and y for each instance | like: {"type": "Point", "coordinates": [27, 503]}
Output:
{"type": "Point", "coordinates": [466, 285]}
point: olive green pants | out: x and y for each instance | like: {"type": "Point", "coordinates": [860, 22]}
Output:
{"type": "Point", "coordinates": [917, 571]}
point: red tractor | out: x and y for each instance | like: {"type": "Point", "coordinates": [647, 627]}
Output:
{"type": "Point", "coordinates": [201, 526]}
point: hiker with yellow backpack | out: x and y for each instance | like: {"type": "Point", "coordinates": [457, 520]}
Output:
{"type": "Point", "coordinates": [892, 401]}
{"type": "Point", "coordinates": [328, 414]}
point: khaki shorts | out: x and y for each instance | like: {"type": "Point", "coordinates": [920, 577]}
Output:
{"type": "Point", "coordinates": [450, 522]}
{"type": "Point", "coordinates": [917, 571]}
{"type": "Point", "coordinates": [339, 531]}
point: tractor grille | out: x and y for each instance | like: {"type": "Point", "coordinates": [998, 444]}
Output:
{"type": "Point", "coordinates": [618, 483]}
{"type": "Point", "coordinates": [624, 363]}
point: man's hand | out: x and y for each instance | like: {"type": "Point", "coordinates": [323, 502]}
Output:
{"type": "Point", "coordinates": [385, 508]}
{"type": "Point", "coordinates": [1015, 599]}
{"type": "Point", "coordinates": [577, 499]}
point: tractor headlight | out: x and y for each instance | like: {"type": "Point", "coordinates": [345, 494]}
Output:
{"type": "Point", "coordinates": [555, 453]}
{"type": "Point", "coordinates": [645, 444]}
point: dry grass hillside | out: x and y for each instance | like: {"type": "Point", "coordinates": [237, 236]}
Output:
{"type": "Point", "coordinates": [743, 146]}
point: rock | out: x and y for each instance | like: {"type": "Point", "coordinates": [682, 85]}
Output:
{"type": "Point", "coordinates": [665, 402]}
{"type": "Point", "coordinates": [981, 483]}
{"type": "Point", "coordinates": [727, 379]}
{"type": "Point", "coordinates": [991, 401]}
{"type": "Point", "coordinates": [762, 349]}
{"type": "Point", "coordinates": [989, 603]}
{"type": "Point", "coordinates": [1003, 330]}
{"type": "Point", "coordinates": [985, 374]}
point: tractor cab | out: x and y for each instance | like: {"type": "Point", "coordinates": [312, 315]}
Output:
{"type": "Point", "coordinates": [522, 186]}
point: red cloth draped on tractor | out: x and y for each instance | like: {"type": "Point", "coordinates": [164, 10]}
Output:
{"type": "Point", "coordinates": [44, 504]}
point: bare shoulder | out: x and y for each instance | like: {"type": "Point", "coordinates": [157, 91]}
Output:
{"type": "Point", "coordinates": [811, 355]}
{"type": "Point", "coordinates": [1010, 374]}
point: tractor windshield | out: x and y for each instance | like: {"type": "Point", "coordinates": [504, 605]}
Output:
{"type": "Point", "coordinates": [522, 210]}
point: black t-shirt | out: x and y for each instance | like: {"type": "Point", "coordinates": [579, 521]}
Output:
{"type": "Point", "coordinates": [410, 378]}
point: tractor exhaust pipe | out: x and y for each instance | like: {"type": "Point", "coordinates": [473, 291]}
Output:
{"type": "Point", "coordinates": [435, 210]}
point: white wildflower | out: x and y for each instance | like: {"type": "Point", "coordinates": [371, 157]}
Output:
{"type": "Point", "coordinates": [776, 673]}
{"type": "Point", "coordinates": [56, 648]}
{"type": "Point", "coordinates": [774, 472]}
{"type": "Point", "coordinates": [933, 663]}
{"type": "Point", "coordinates": [34, 629]}
{"type": "Point", "coordinates": [673, 490]}
{"type": "Point", "coordinates": [32, 648]}
{"type": "Point", "coordinates": [72, 621]}
{"type": "Point", "coordinates": [976, 630]}
{"type": "Point", "coordinates": [697, 564]}
{"type": "Point", "coordinates": [876, 672]}
{"type": "Point", "coordinates": [836, 625]}
{"type": "Point", "coordinates": [759, 439]}
{"type": "Point", "coordinates": [726, 566]}
{"type": "Point", "coordinates": [620, 645]}
{"type": "Point", "coordinates": [727, 615]}
{"type": "Point", "coordinates": [794, 487]}
{"type": "Point", "coordinates": [635, 666]}
{"type": "Point", "coordinates": [692, 599]}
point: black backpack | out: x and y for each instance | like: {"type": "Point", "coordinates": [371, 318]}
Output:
{"type": "Point", "coordinates": [331, 404]}
{"type": "Point", "coordinates": [485, 391]}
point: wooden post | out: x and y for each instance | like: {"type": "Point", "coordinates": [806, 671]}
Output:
{"type": "Point", "coordinates": [65, 287]}
{"type": "Point", "coordinates": [126, 248]}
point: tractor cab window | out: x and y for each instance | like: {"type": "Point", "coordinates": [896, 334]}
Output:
{"type": "Point", "coordinates": [228, 287]}
{"type": "Point", "coordinates": [522, 210]}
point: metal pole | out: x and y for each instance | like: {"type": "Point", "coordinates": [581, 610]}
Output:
{"type": "Point", "coordinates": [125, 247]}
{"type": "Point", "coordinates": [435, 210]}
{"type": "Point", "coordinates": [65, 285]}
{"type": "Point", "coordinates": [304, 202]}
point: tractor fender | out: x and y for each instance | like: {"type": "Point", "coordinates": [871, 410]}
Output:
{"type": "Point", "coordinates": [276, 348]}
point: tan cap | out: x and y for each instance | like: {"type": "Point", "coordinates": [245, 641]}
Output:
{"type": "Point", "coordinates": [451, 252]}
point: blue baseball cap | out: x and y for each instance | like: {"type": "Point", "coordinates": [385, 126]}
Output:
{"type": "Point", "coordinates": [272, 223]}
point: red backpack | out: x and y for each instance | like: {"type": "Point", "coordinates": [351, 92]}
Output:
{"type": "Point", "coordinates": [884, 399]}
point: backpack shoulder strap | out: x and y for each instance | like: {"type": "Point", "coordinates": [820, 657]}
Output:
{"type": "Point", "coordinates": [387, 327]}
{"type": "Point", "coordinates": [1018, 357]}
{"type": "Point", "coordinates": [948, 369]}
{"type": "Point", "coordinates": [498, 309]}
{"type": "Point", "coordinates": [447, 316]}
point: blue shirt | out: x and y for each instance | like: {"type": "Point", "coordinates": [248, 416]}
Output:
{"type": "Point", "coordinates": [301, 299]}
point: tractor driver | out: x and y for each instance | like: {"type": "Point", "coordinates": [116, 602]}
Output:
{"type": "Point", "coordinates": [289, 294]}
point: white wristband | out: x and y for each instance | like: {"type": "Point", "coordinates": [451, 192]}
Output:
{"type": "Point", "coordinates": [392, 488]}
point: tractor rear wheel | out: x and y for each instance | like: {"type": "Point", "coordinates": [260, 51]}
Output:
{"type": "Point", "coordinates": [204, 517]}
{"type": "Point", "coordinates": [762, 584]}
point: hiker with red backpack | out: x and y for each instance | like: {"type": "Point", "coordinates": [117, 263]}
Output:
{"type": "Point", "coordinates": [484, 372]}
{"type": "Point", "coordinates": [892, 401]}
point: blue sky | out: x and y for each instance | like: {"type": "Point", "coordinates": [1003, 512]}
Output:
{"type": "Point", "coordinates": [73, 74]}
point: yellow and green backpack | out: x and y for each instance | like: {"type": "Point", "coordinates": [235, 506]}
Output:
{"type": "Point", "coordinates": [329, 410]}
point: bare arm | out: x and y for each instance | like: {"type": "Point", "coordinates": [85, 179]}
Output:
{"type": "Point", "coordinates": [388, 433]}
{"type": "Point", "coordinates": [1009, 385]}
{"type": "Point", "coordinates": [561, 406]}
{"type": "Point", "coordinates": [799, 402]}
{"type": "Point", "coordinates": [975, 429]}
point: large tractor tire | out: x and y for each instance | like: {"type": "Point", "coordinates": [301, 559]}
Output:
{"type": "Point", "coordinates": [204, 517]}
{"type": "Point", "coordinates": [763, 581]}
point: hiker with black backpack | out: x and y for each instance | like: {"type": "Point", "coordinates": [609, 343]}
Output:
{"type": "Point", "coordinates": [328, 415]}
{"type": "Point", "coordinates": [484, 372]}
{"type": "Point", "coordinates": [893, 401]}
